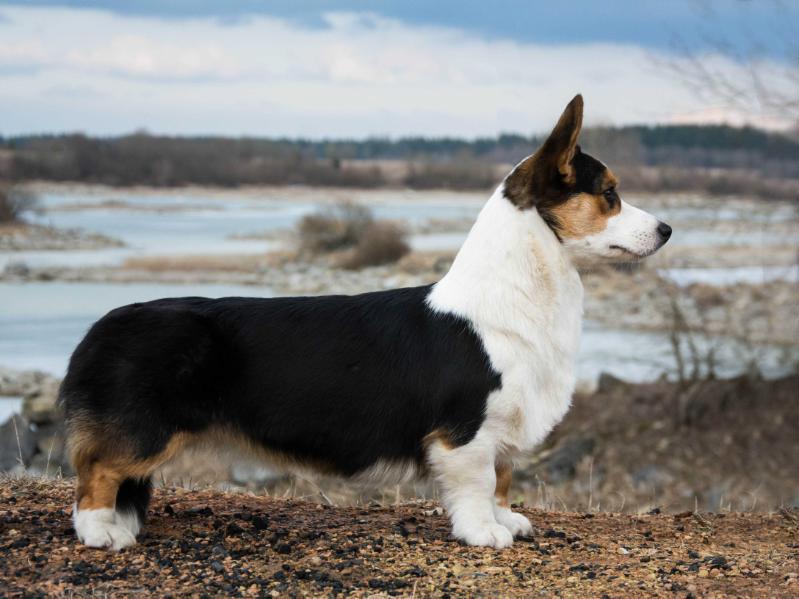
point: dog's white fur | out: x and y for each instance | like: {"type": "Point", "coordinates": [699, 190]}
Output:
{"type": "Point", "coordinates": [519, 287]}
{"type": "Point", "coordinates": [105, 527]}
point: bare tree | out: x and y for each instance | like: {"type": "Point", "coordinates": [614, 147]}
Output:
{"type": "Point", "coordinates": [740, 73]}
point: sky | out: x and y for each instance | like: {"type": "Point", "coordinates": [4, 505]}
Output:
{"type": "Point", "coordinates": [361, 68]}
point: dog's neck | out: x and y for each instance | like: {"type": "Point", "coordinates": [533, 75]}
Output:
{"type": "Point", "coordinates": [514, 282]}
{"type": "Point", "coordinates": [510, 267]}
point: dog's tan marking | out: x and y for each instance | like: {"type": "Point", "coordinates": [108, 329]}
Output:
{"type": "Point", "coordinates": [103, 462]}
{"type": "Point", "coordinates": [504, 477]}
{"type": "Point", "coordinates": [224, 439]}
{"type": "Point", "coordinates": [516, 420]}
{"type": "Point", "coordinates": [439, 436]}
{"type": "Point", "coordinates": [609, 180]}
{"type": "Point", "coordinates": [582, 215]}
{"type": "Point", "coordinates": [102, 468]}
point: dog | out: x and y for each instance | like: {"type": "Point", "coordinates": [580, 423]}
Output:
{"type": "Point", "coordinates": [452, 380]}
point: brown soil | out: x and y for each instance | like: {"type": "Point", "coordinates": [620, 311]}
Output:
{"type": "Point", "coordinates": [216, 544]}
{"type": "Point", "coordinates": [720, 445]}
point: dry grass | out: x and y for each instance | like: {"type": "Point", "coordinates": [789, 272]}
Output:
{"type": "Point", "coordinates": [380, 243]}
{"type": "Point", "coordinates": [235, 263]}
{"type": "Point", "coordinates": [333, 228]}
{"type": "Point", "coordinates": [352, 230]}
{"type": "Point", "coordinates": [14, 202]}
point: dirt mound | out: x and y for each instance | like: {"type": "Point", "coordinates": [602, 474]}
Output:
{"type": "Point", "coordinates": [719, 444]}
{"type": "Point", "coordinates": [205, 542]}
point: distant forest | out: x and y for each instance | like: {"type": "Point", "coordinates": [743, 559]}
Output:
{"type": "Point", "coordinates": [717, 159]}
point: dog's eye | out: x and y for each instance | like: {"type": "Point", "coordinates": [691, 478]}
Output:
{"type": "Point", "coordinates": [610, 195]}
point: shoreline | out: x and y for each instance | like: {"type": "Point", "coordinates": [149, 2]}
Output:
{"type": "Point", "coordinates": [638, 300]}
{"type": "Point", "coordinates": [23, 236]}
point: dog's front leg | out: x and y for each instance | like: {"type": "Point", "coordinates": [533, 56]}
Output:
{"type": "Point", "coordinates": [467, 481]}
{"type": "Point", "coordinates": [517, 524]}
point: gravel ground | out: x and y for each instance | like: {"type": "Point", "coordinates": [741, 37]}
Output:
{"type": "Point", "coordinates": [216, 544]}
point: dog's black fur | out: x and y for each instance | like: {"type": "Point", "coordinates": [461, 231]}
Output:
{"type": "Point", "coordinates": [338, 381]}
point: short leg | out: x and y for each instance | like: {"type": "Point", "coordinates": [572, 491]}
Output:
{"type": "Point", "coordinates": [517, 524]}
{"type": "Point", "coordinates": [466, 477]}
{"type": "Point", "coordinates": [94, 513]}
{"type": "Point", "coordinates": [113, 486]}
{"type": "Point", "coordinates": [133, 498]}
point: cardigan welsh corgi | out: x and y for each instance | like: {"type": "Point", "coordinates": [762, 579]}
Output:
{"type": "Point", "coordinates": [453, 380]}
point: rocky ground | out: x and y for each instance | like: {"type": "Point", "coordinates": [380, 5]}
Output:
{"type": "Point", "coordinates": [207, 543]}
{"type": "Point", "coordinates": [27, 237]}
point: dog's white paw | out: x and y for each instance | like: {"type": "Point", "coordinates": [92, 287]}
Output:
{"type": "Point", "coordinates": [98, 528]}
{"type": "Point", "coordinates": [518, 525]}
{"type": "Point", "coordinates": [485, 534]}
{"type": "Point", "coordinates": [128, 520]}
{"type": "Point", "coordinates": [112, 536]}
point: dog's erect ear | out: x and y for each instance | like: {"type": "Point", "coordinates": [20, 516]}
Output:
{"type": "Point", "coordinates": [559, 148]}
{"type": "Point", "coordinates": [550, 168]}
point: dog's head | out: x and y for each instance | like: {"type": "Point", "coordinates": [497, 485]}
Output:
{"type": "Point", "coordinates": [577, 197]}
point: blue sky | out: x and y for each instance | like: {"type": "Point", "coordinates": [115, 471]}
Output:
{"type": "Point", "coordinates": [358, 68]}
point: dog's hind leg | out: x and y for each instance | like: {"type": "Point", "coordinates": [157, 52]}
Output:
{"type": "Point", "coordinates": [113, 490]}
{"type": "Point", "coordinates": [467, 481]}
{"type": "Point", "coordinates": [517, 524]}
{"type": "Point", "coordinates": [133, 497]}
{"type": "Point", "coordinates": [94, 513]}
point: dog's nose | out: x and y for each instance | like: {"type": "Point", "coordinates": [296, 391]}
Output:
{"type": "Point", "coordinates": [664, 231]}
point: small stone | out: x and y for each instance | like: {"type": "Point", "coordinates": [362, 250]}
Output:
{"type": "Point", "coordinates": [40, 406]}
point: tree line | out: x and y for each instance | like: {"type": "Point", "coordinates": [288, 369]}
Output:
{"type": "Point", "coordinates": [157, 160]}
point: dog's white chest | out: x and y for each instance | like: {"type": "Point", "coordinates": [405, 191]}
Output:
{"type": "Point", "coordinates": [524, 299]}
{"type": "Point", "coordinates": [538, 370]}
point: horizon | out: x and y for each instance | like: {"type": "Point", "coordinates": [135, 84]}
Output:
{"type": "Point", "coordinates": [535, 136]}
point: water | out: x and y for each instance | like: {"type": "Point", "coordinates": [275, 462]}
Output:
{"type": "Point", "coordinates": [753, 275]}
{"type": "Point", "coordinates": [41, 323]}
{"type": "Point", "coordinates": [9, 406]}
{"type": "Point", "coordinates": [205, 225]}
{"type": "Point", "coordinates": [206, 222]}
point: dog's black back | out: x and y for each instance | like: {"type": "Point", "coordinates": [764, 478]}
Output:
{"type": "Point", "coordinates": [340, 381]}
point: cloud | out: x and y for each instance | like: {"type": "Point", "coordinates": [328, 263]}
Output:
{"type": "Point", "coordinates": [362, 74]}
